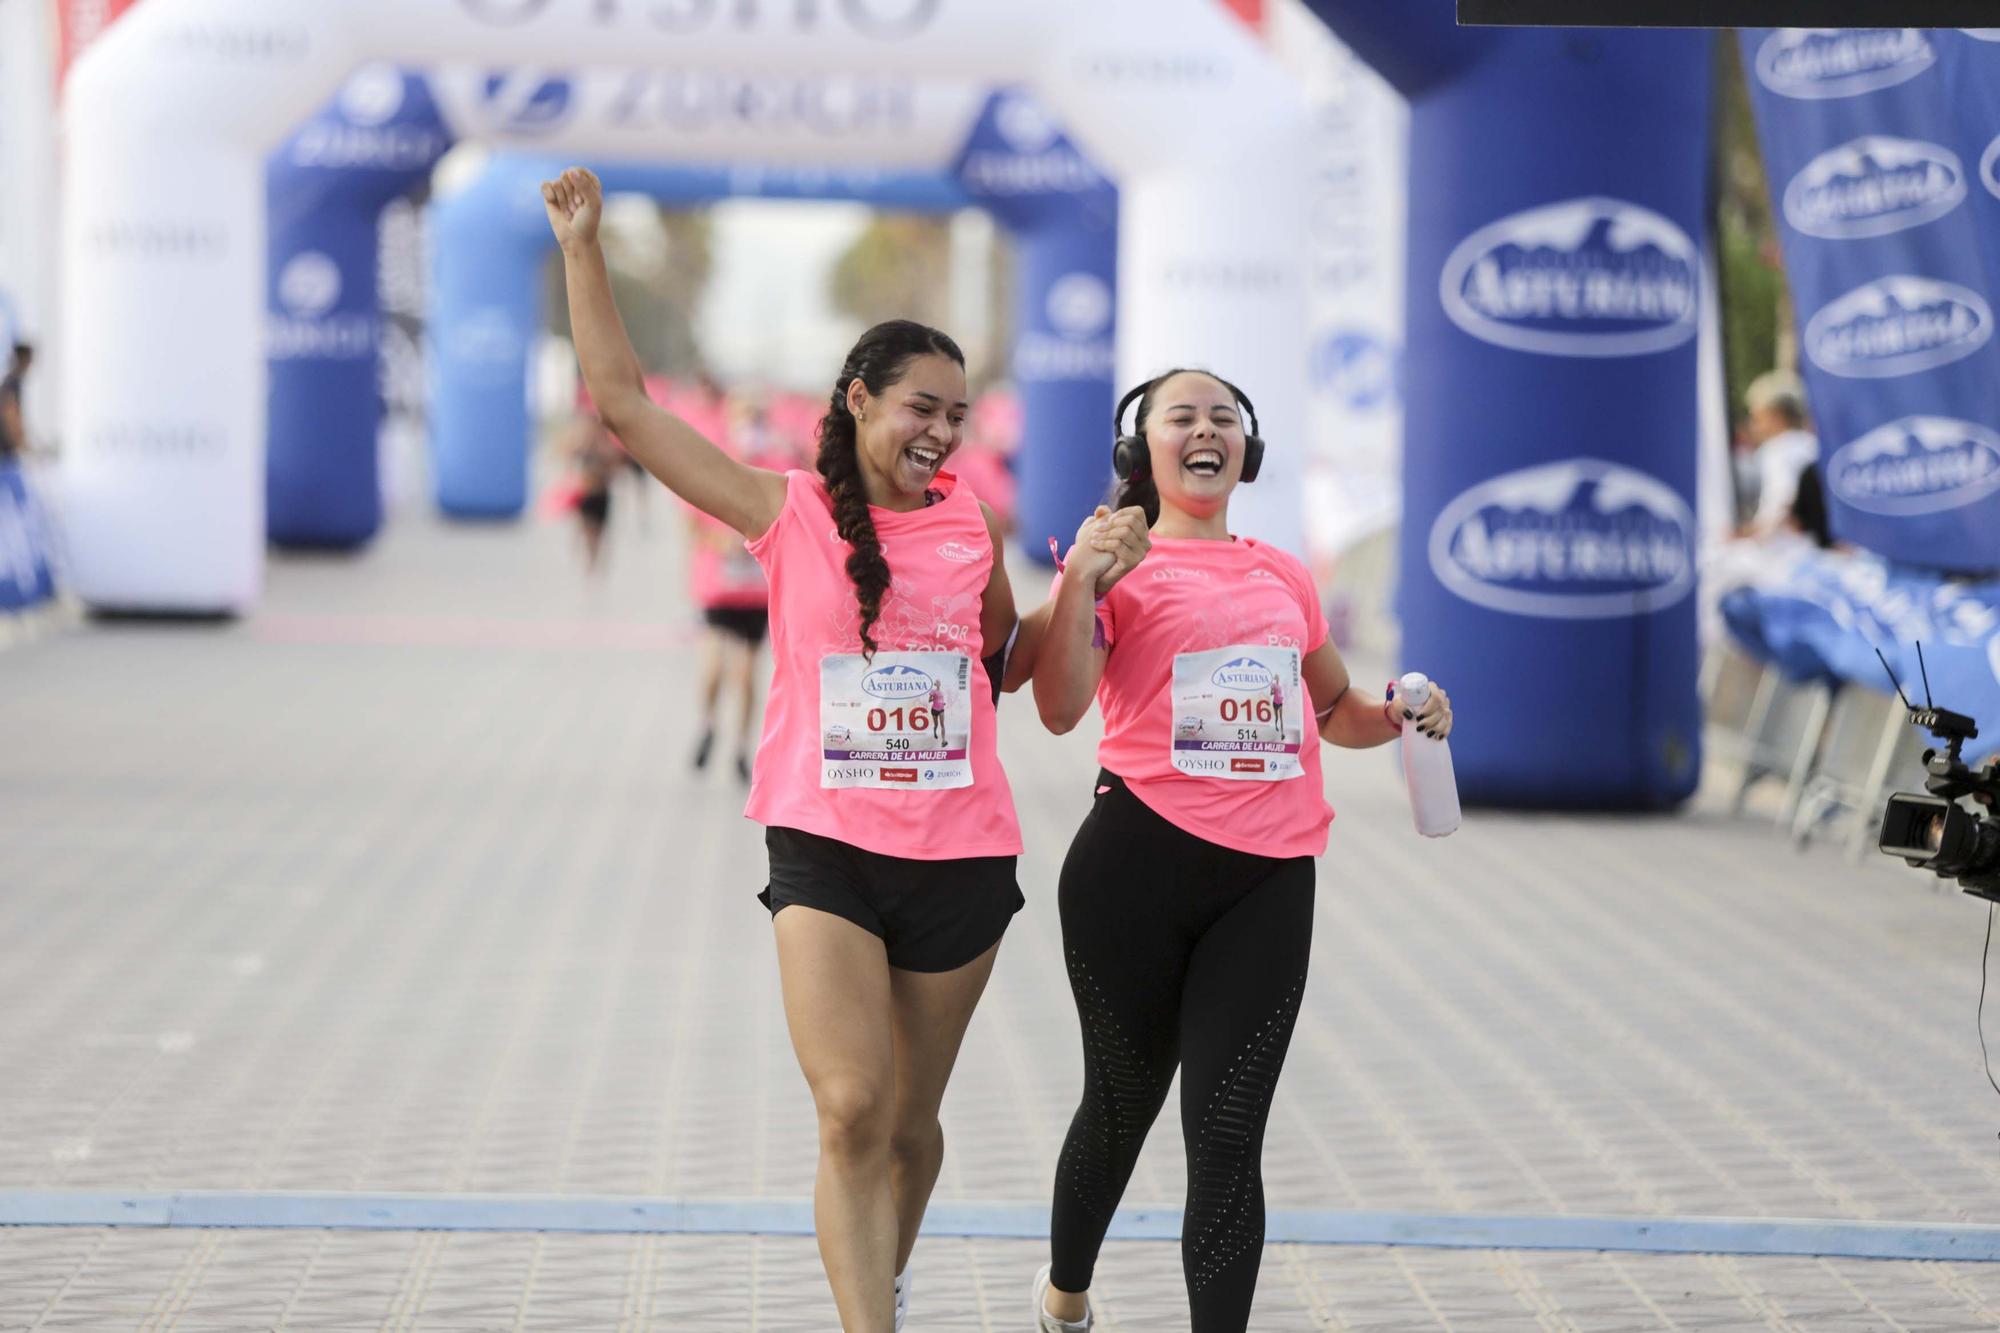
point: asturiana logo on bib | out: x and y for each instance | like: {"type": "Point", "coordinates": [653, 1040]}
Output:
{"type": "Point", "coordinates": [1816, 63]}
{"type": "Point", "coordinates": [897, 682]}
{"type": "Point", "coordinates": [1585, 277]}
{"type": "Point", "coordinates": [1917, 465]}
{"type": "Point", "coordinates": [1898, 325]}
{"type": "Point", "coordinates": [960, 554]}
{"type": "Point", "coordinates": [1874, 186]}
{"type": "Point", "coordinates": [1245, 675]}
{"type": "Point", "coordinates": [1576, 540]}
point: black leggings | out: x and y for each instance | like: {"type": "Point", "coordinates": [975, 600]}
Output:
{"type": "Point", "coordinates": [1180, 952]}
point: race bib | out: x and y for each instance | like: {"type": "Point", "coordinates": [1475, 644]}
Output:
{"type": "Point", "coordinates": [1239, 713]}
{"type": "Point", "coordinates": [902, 721]}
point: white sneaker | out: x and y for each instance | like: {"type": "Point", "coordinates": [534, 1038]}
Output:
{"type": "Point", "coordinates": [902, 1298]}
{"type": "Point", "coordinates": [1048, 1323]}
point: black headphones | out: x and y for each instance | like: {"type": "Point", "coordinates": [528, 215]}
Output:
{"type": "Point", "coordinates": [1130, 457]}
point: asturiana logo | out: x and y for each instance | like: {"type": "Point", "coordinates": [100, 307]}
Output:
{"type": "Point", "coordinates": [1898, 325]}
{"type": "Point", "coordinates": [1874, 186]}
{"type": "Point", "coordinates": [1585, 277]}
{"type": "Point", "coordinates": [1917, 465]}
{"type": "Point", "coordinates": [1244, 675]}
{"type": "Point", "coordinates": [960, 554]}
{"type": "Point", "coordinates": [897, 682]}
{"type": "Point", "coordinates": [1814, 63]}
{"type": "Point", "coordinates": [1578, 539]}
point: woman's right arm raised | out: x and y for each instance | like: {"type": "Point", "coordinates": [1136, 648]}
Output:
{"type": "Point", "coordinates": [747, 498]}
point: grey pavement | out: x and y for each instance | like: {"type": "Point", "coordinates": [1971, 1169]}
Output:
{"type": "Point", "coordinates": [404, 884]}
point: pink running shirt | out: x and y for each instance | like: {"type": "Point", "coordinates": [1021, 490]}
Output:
{"type": "Point", "coordinates": [1193, 599]}
{"type": "Point", "coordinates": [940, 558]}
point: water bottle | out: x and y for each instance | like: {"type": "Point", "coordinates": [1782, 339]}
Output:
{"type": "Point", "coordinates": [1427, 765]}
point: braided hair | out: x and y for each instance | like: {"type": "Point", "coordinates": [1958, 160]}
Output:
{"type": "Point", "coordinates": [878, 361]}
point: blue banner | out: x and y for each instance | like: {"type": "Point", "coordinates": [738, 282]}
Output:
{"type": "Point", "coordinates": [1876, 143]}
{"type": "Point", "coordinates": [327, 188]}
{"type": "Point", "coordinates": [27, 567]}
{"type": "Point", "coordinates": [1064, 217]}
{"type": "Point", "coordinates": [1557, 188]}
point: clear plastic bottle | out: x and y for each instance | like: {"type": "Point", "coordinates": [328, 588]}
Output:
{"type": "Point", "coordinates": [1427, 765]}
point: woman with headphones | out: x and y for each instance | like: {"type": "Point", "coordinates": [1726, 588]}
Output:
{"type": "Point", "coordinates": [1187, 895]}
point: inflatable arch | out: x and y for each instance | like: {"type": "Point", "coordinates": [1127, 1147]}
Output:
{"type": "Point", "coordinates": [384, 129]}
{"type": "Point", "coordinates": [170, 114]}
{"type": "Point", "coordinates": [489, 241]}
{"type": "Point", "coordinates": [1554, 298]}
{"type": "Point", "coordinates": [1016, 163]}
{"type": "Point", "coordinates": [327, 188]}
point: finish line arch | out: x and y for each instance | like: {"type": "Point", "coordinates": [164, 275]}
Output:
{"type": "Point", "coordinates": [170, 115]}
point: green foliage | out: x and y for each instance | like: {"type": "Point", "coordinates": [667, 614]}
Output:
{"type": "Point", "coordinates": [899, 267]}
{"type": "Point", "coordinates": [1756, 301]}
{"type": "Point", "coordinates": [658, 288]}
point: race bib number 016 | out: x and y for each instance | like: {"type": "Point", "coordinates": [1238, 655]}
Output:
{"type": "Point", "coordinates": [1239, 713]}
{"type": "Point", "coordinates": [902, 721]}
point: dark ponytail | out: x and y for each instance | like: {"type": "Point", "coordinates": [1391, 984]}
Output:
{"type": "Point", "coordinates": [878, 361]}
{"type": "Point", "coordinates": [1139, 491]}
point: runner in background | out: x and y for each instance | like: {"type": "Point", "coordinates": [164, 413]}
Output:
{"type": "Point", "coordinates": [729, 586]}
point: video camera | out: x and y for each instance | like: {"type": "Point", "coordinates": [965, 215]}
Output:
{"type": "Point", "coordinates": [1935, 832]}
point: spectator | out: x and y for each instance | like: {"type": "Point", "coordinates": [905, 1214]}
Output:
{"type": "Point", "coordinates": [1783, 450]}
{"type": "Point", "coordinates": [13, 429]}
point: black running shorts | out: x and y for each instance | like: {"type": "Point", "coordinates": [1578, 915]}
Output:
{"type": "Point", "coordinates": [933, 916]}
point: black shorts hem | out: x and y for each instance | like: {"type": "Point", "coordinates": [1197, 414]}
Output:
{"type": "Point", "coordinates": [931, 916]}
{"type": "Point", "coordinates": [748, 623]}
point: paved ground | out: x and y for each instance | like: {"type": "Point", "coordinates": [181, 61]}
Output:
{"type": "Point", "coordinates": [404, 884]}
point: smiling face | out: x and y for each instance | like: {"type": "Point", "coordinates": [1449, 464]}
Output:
{"type": "Point", "coordinates": [1194, 433]}
{"type": "Point", "coordinates": [905, 433]}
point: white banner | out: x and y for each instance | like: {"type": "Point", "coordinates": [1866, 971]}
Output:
{"type": "Point", "coordinates": [709, 115]}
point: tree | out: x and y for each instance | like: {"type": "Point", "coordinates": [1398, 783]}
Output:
{"type": "Point", "coordinates": [1757, 331]}
{"type": "Point", "coordinates": [899, 267]}
{"type": "Point", "coordinates": [660, 262]}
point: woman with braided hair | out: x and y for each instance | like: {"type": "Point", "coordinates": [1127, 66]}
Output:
{"type": "Point", "coordinates": [889, 823]}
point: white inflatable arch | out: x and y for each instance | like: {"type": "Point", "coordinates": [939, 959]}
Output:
{"type": "Point", "coordinates": [168, 119]}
